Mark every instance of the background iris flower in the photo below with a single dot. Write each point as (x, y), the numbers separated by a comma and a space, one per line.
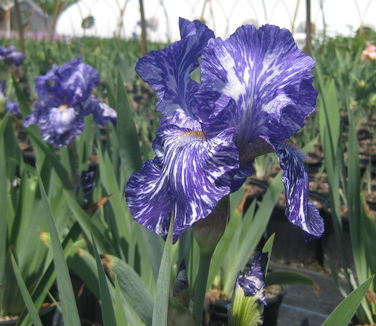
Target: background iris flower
(256, 88)
(13, 108)
(10, 54)
(64, 99)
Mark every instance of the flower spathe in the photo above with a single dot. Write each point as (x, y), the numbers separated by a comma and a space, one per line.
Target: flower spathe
(255, 86)
(64, 99)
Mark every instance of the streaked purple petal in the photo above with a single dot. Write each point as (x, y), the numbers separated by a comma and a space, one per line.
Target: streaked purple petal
(186, 179)
(267, 76)
(299, 210)
(167, 71)
(101, 112)
(59, 126)
(70, 84)
(253, 282)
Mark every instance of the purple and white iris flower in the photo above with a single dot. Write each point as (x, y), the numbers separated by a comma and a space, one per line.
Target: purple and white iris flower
(256, 87)
(253, 282)
(10, 54)
(64, 99)
(13, 108)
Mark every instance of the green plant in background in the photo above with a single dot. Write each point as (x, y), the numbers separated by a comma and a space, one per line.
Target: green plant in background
(345, 189)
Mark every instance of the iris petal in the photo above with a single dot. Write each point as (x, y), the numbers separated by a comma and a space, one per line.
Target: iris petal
(69, 84)
(253, 282)
(167, 71)
(267, 76)
(60, 126)
(299, 210)
(186, 179)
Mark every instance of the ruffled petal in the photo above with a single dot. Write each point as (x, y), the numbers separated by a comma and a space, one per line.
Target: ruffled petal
(186, 179)
(167, 71)
(299, 210)
(101, 112)
(70, 84)
(60, 126)
(267, 76)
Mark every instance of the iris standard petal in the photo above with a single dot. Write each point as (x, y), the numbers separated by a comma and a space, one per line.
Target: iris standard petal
(299, 210)
(167, 71)
(267, 76)
(253, 282)
(186, 179)
(68, 85)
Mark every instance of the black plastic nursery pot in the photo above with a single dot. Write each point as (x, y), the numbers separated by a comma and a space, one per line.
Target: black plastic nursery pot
(271, 309)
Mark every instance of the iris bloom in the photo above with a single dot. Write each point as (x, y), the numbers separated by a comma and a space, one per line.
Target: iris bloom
(253, 282)
(64, 99)
(13, 108)
(10, 54)
(256, 88)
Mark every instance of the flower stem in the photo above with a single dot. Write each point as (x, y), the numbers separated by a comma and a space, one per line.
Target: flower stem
(200, 285)
(74, 163)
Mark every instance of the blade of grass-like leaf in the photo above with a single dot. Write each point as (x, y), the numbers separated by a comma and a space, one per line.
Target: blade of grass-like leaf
(267, 248)
(108, 313)
(126, 131)
(357, 221)
(3, 212)
(343, 313)
(253, 233)
(25, 294)
(289, 277)
(84, 266)
(119, 311)
(160, 308)
(84, 220)
(64, 284)
(227, 237)
(132, 287)
(59, 168)
(25, 109)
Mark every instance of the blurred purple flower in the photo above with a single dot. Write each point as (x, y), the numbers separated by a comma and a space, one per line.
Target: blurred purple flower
(3, 86)
(256, 86)
(10, 54)
(87, 184)
(64, 99)
(253, 282)
(13, 108)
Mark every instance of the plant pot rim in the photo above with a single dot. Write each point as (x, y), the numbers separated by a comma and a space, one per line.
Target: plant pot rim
(14, 320)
